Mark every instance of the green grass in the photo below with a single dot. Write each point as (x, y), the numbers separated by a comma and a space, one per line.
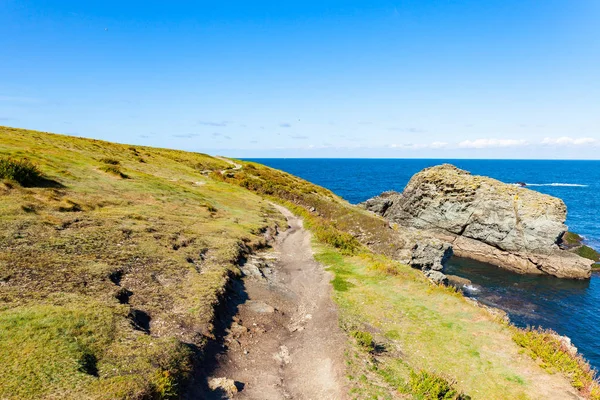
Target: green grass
(83, 261)
(436, 344)
(364, 340)
(574, 241)
(80, 259)
(114, 170)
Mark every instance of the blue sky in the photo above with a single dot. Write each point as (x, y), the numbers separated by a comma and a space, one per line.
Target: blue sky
(411, 78)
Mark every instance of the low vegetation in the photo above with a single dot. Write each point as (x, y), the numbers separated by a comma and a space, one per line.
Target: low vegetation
(429, 386)
(589, 253)
(22, 171)
(108, 286)
(574, 242)
(364, 340)
(554, 356)
(428, 344)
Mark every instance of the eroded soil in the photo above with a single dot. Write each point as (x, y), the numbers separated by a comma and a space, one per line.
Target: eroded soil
(284, 341)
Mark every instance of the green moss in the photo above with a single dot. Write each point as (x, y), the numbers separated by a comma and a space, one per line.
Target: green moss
(571, 238)
(589, 253)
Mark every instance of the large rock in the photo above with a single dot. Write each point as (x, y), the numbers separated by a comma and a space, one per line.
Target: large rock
(380, 204)
(431, 255)
(486, 220)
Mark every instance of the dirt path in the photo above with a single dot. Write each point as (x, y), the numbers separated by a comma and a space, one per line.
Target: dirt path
(284, 342)
(236, 166)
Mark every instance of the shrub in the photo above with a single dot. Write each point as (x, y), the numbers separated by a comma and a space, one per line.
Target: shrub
(165, 386)
(326, 233)
(114, 170)
(430, 386)
(555, 357)
(364, 340)
(21, 171)
(110, 161)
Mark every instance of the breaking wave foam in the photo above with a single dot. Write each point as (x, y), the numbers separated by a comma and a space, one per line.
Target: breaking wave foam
(553, 184)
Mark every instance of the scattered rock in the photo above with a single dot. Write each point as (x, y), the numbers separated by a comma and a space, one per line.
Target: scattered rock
(237, 329)
(252, 270)
(226, 385)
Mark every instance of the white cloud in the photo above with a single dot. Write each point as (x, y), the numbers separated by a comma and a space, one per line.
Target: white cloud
(486, 143)
(569, 141)
(438, 145)
(413, 146)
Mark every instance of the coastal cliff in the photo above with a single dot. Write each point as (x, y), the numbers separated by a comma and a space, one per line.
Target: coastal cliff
(486, 220)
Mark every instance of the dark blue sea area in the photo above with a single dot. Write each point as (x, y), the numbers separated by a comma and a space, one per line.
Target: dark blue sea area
(569, 307)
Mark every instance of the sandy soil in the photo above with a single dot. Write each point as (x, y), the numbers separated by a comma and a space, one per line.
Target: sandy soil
(284, 341)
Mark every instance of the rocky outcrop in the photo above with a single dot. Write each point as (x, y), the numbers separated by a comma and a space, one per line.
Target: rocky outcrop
(380, 204)
(485, 220)
(431, 257)
(432, 254)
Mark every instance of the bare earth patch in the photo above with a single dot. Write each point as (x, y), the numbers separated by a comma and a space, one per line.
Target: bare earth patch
(285, 341)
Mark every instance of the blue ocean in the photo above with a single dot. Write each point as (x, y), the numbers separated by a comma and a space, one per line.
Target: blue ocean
(571, 308)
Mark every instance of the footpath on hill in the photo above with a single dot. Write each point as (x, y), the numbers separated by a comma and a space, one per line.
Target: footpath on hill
(284, 340)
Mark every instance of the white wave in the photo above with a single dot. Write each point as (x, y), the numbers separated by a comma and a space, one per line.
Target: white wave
(554, 184)
(471, 288)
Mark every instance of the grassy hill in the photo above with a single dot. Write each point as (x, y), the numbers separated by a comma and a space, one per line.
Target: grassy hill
(115, 240)
(114, 257)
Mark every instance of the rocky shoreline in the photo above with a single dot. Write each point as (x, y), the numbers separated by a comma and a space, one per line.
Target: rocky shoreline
(482, 219)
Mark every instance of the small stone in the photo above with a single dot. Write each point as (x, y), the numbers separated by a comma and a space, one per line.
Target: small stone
(436, 277)
(237, 329)
(224, 384)
(259, 306)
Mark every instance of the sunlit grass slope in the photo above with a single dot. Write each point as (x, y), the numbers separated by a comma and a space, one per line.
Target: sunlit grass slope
(428, 342)
(112, 258)
(111, 265)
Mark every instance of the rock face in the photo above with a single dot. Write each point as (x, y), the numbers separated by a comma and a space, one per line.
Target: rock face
(486, 220)
(431, 256)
